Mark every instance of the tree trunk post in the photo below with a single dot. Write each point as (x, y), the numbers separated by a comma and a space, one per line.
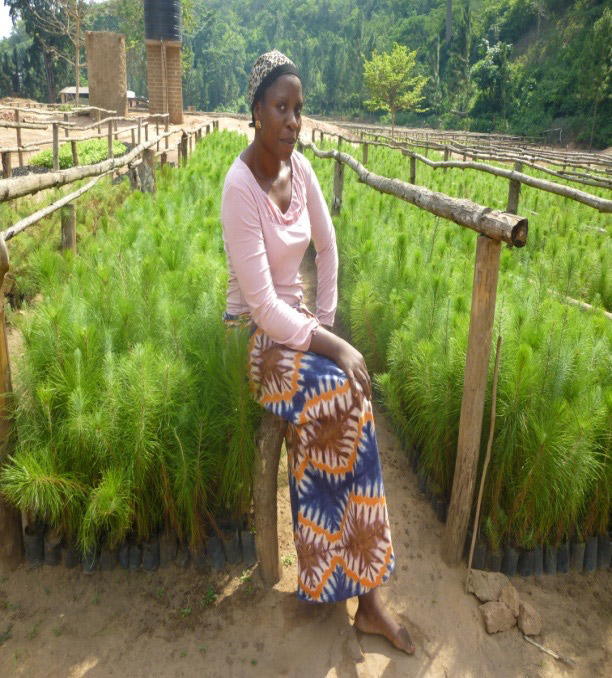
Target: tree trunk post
(207, 130)
(133, 176)
(109, 136)
(55, 147)
(139, 130)
(514, 191)
(190, 143)
(68, 217)
(7, 166)
(133, 134)
(445, 158)
(365, 153)
(19, 151)
(338, 185)
(269, 442)
(163, 159)
(166, 128)
(146, 130)
(482, 313)
(412, 169)
(66, 130)
(157, 131)
(339, 141)
(75, 154)
(321, 132)
(11, 535)
(183, 149)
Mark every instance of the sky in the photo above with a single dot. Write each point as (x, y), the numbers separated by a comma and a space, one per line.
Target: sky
(6, 25)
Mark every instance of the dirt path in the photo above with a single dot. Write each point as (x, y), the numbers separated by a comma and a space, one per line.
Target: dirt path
(182, 623)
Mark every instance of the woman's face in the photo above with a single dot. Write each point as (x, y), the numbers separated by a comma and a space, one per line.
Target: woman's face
(280, 114)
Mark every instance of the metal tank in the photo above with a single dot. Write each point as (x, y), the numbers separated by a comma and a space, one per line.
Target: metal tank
(162, 20)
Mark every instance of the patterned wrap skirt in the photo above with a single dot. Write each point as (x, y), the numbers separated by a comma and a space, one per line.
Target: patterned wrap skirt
(340, 521)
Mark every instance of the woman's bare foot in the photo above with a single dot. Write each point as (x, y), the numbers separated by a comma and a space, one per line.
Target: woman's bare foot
(372, 617)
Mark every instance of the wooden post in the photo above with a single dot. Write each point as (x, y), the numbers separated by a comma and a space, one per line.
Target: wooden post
(157, 131)
(339, 141)
(75, 155)
(313, 135)
(146, 130)
(55, 147)
(148, 175)
(486, 271)
(133, 176)
(166, 128)
(19, 151)
(11, 536)
(412, 169)
(66, 130)
(133, 131)
(139, 130)
(7, 167)
(163, 159)
(514, 191)
(68, 217)
(426, 151)
(445, 157)
(183, 149)
(365, 153)
(207, 130)
(321, 132)
(338, 185)
(110, 139)
(98, 116)
(190, 143)
(269, 442)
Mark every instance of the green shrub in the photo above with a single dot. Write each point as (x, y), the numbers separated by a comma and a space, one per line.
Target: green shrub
(89, 152)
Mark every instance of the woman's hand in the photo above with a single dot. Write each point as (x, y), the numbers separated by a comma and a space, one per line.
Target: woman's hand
(348, 359)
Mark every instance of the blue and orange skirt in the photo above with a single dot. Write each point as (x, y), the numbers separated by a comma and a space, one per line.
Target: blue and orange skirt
(340, 521)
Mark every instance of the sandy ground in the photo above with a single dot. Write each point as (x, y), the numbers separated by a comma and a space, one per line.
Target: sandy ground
(176, 622)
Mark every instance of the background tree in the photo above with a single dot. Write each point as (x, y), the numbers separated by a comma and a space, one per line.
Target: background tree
(391, 83)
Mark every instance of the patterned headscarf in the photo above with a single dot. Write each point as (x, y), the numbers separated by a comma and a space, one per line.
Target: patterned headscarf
(266, 69)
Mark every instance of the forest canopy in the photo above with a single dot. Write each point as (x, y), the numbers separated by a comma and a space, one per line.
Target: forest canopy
(521, 66)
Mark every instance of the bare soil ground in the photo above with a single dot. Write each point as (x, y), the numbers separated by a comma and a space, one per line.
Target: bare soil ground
(177, 622)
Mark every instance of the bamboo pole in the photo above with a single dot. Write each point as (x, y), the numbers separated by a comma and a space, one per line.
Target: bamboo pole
(19, 152)
(11, 536)
(55, 147)
(486, 272)
(68, 218)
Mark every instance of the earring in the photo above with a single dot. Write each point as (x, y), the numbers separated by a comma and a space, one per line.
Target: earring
(258, 124)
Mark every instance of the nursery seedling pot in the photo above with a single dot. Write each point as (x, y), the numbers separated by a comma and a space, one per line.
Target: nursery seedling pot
(216, 554)
(525, 563)
(233, 553)
(576, 556)
(109, 559)
(479, 559)
(494, 560)
(604, 551)
(91, 560)
(590, 554)
(167, 549)
(34, 544)
(249, 554)
(53, 547)
(550, 559)
(135, 557)
(563, 557)
(441, 509)
(538, 561)
(199, 557)
(124, 555)
(183, 557)
(70, 556)
(150, 554)
(510, 561)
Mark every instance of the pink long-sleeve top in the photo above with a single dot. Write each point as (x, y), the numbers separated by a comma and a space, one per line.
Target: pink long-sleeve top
(265, 247)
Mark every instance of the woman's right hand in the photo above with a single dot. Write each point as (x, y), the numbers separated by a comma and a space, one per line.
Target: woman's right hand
(348, 359)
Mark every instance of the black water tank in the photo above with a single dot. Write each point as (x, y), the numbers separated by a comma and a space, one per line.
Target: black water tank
(162, 19)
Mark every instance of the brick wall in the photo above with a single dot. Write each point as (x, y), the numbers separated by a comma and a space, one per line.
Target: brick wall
(106, 71)
(169, 98)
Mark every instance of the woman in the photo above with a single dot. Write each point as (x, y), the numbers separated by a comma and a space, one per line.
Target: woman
(272, 206)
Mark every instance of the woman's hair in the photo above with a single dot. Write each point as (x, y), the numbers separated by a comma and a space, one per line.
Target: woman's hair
(266, 69)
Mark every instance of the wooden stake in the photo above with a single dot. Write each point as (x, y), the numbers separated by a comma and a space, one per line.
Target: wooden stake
(139, 131)
(412, 169)
(166, 127)
(55, 146)
(365, 153)
(269, 442)
(19, 152)
(133, 131)
(110, 140)
(157, 130)
(183, 149)
(11, 536)
(445, 157)
(486, 461)
(338, 186)
(514, 191)
(149, 184)
(7, 167)
(486, 272)
(66, 130)
(207, 130)
(313, 135)
(75, 155)
(68, 218)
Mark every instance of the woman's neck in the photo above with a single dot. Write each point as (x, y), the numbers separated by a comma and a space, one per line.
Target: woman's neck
(261, 162)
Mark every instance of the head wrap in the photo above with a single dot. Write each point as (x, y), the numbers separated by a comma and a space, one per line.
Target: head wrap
(266, 69)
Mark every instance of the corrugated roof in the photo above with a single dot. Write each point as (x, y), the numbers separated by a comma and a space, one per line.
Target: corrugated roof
(85, 90)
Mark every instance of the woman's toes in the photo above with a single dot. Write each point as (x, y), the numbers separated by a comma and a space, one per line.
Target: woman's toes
(403, 642)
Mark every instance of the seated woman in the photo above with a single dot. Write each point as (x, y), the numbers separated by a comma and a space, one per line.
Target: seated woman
(271, 207)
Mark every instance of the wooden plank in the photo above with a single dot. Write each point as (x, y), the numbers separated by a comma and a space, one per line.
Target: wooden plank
(484, 291)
